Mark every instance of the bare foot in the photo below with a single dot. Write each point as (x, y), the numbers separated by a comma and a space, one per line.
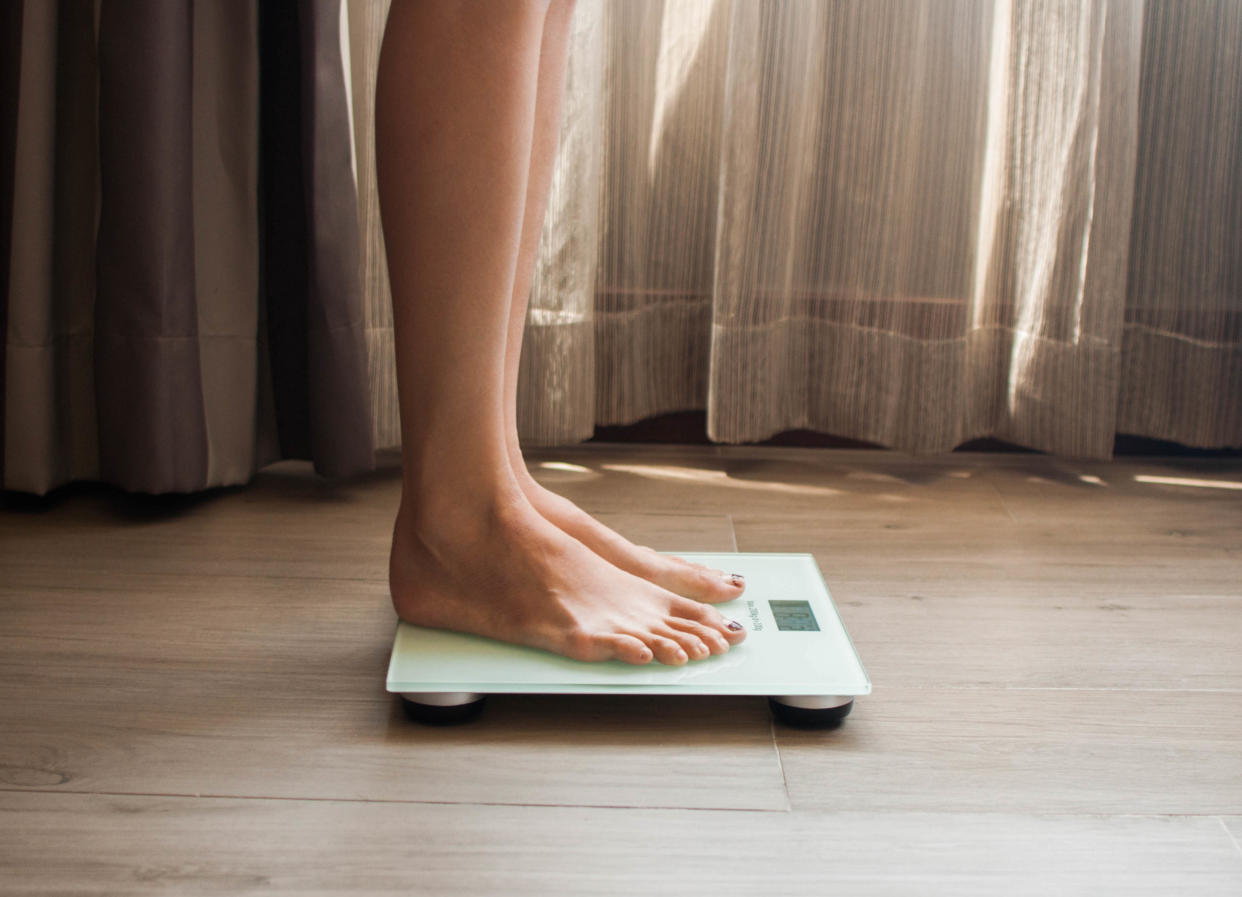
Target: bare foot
(673, 573)
(503, 571)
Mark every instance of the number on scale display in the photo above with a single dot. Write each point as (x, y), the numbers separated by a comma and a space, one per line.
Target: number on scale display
(794, 616)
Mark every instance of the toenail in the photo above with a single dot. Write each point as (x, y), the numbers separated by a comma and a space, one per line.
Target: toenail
(733, 579)
(734, 626)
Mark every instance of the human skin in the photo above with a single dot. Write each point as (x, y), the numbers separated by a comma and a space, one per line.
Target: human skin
(468, 105)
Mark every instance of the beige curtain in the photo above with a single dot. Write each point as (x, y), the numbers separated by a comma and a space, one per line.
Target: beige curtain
(913, 223)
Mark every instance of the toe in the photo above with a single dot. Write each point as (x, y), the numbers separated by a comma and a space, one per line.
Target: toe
(711, 638)
(690, 642)
(704, 584)
(667, 650)
(730, 630)
(692, 580)
(625, 648)
(733, 631)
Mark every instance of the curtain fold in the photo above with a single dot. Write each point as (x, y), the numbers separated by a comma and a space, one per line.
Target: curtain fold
(340, 421)
(364, 32)
(153, 340)
(911, 222)
(10, 78)
(152, 423)
(312, 296)
(49, 403)
(1181, 358)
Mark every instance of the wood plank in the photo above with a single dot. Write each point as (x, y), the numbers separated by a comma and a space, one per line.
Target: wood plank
(147, 845)
(935, 546)
(965, 631)
(213, 684)
(1105, 593)
(1019, 750)
(261, 536)
(160, 668)
(1046, 637)
(1195, 496)
(236, 735)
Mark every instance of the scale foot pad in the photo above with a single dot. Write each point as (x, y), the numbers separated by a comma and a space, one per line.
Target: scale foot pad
(446, 715)
(802, 718)
(798, 717)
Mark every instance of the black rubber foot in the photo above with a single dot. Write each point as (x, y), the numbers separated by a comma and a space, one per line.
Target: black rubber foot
(433, 715)
(802, 718)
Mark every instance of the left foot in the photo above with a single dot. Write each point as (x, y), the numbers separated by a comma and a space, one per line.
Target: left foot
(687, 579)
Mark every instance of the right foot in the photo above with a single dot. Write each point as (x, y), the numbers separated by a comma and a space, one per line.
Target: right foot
(507, 573)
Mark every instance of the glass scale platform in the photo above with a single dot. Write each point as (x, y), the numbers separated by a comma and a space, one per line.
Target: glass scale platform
(797, 654)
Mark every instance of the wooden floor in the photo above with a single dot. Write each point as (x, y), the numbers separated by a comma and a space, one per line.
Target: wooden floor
(192, 696)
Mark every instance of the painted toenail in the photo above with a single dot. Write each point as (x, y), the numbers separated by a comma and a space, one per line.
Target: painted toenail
(734, 626)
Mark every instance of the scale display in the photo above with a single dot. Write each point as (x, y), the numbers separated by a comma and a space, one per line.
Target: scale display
(794, 616)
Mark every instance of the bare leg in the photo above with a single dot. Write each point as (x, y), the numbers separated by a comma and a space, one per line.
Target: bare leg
(455, 118)
(675, 574)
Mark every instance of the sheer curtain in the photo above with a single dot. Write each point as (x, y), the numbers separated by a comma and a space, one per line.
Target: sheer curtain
(913, 223)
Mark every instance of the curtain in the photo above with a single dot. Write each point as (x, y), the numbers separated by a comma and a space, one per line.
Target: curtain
(911, 222)
(1181, 358)
(182, 303)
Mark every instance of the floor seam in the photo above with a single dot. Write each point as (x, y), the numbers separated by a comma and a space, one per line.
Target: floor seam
(780, 765)
(175, 795)
(1000, 497)
(1229, 835)
(571, 806)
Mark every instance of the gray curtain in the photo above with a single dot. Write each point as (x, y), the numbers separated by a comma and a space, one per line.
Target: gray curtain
(182, 303)
(912, 222)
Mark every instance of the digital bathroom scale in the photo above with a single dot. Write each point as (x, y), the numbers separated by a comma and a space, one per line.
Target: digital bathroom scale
(796, 653)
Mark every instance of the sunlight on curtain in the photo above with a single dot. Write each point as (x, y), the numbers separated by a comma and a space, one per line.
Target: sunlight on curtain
(912, 223)
(365, 22)
(557, 377)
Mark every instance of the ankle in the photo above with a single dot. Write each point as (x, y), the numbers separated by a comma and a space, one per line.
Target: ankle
(456, 511)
